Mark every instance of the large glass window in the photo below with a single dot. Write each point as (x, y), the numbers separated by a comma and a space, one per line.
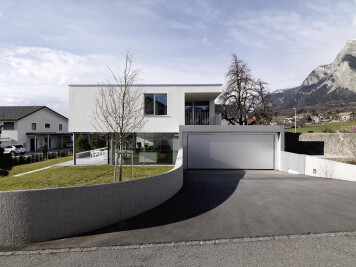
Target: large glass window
(149, 104)
(9, 125)
(155, 104)
(197, 113)
(161, 104)
(151, 148)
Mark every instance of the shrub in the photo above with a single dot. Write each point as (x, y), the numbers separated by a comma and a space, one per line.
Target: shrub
(82, 144)
(6, 163)
(329, 130)
(97, 141)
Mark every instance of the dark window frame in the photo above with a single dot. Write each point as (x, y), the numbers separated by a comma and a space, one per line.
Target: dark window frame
(154, 111)
(9, 123)
(60, 127)
(47, 124)
(34, 124)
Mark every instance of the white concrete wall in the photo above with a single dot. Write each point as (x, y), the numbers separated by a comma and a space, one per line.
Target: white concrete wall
(82, 105)
(12, 134)
(317, 167)
(39, 215)
(292, 163)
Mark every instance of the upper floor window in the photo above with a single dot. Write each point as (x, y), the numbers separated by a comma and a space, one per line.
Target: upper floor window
(60, 127)
(34, 126)
(9, 125)
(47, 125)
(155, 104)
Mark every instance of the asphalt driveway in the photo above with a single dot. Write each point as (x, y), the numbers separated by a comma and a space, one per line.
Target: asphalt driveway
(232, 204)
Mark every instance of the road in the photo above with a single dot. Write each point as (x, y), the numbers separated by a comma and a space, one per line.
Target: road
(221, 205)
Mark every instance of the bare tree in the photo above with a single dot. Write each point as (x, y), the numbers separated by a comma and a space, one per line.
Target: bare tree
(119, 108)
(263, 109)
(244, 97)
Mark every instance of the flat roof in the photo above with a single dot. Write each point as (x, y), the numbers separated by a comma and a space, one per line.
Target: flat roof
(144, 85)
(47, 133)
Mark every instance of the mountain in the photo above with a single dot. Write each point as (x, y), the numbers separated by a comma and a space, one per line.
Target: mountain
(328, 83)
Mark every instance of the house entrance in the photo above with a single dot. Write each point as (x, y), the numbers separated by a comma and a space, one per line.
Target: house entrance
(32, 144)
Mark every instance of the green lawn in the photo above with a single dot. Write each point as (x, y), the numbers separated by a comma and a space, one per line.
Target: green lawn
(318, 128)
(37, 165)
(75, 176)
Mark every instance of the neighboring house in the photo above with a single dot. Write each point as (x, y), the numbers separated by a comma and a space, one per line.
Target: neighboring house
(344, 116)
(33, 127)
(315, 119)
(157, 142)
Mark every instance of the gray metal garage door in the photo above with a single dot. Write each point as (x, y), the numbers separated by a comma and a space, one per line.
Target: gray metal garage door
(230, 151)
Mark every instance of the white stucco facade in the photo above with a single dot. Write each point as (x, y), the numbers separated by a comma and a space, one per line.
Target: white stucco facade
(23, 132)
(82, 105)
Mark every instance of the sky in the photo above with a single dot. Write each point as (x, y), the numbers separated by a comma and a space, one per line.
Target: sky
(46, 45)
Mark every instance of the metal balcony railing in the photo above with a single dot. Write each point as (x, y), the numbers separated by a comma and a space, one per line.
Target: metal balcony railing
(202, 118)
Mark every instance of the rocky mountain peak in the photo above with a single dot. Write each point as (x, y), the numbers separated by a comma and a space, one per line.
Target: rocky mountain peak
(327, 83)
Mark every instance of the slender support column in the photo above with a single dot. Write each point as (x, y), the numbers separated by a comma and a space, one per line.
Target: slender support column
(131, 164)
(47, 142)
(212, 112)
(74, 149)
(35, 143)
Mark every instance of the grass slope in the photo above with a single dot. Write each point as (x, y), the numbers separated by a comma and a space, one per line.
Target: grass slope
(37, 165)
(75, 176)
(318, 128)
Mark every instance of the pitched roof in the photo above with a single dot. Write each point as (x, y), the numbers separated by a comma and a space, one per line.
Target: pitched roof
(14, 113)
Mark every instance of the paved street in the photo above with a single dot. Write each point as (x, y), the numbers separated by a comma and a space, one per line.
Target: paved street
(296, 251)
(215, 205)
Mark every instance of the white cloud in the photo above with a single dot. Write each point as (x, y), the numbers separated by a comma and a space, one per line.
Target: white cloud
(39, 76)
(205, 41)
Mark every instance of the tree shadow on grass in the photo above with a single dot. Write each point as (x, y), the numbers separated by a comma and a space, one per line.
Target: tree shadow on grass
(203, 190)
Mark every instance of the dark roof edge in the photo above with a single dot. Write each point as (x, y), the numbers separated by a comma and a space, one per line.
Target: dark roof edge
(41, 107)
(144, 85)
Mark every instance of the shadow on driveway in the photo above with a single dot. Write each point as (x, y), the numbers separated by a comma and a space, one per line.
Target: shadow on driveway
(201, 193)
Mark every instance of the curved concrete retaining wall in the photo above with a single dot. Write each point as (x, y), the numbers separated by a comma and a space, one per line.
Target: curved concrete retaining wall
(40, 215)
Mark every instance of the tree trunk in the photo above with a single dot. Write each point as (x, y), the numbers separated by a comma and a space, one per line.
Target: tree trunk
(115, 169)
(120, 175)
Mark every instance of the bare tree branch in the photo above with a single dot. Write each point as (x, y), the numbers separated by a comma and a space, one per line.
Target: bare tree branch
(119, 106)
(244, 97)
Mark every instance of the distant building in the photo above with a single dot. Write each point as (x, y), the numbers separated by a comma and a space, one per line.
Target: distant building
(345, 116)
(33, 127)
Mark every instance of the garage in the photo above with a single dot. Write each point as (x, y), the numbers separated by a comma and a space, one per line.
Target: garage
(230, 151)
(254, 147)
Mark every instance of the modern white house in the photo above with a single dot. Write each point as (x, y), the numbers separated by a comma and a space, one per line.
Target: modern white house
(184, 117)
(171, 105)
(33, 127)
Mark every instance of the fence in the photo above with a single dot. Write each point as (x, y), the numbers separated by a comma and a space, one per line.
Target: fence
(202, 118)
(19, 160)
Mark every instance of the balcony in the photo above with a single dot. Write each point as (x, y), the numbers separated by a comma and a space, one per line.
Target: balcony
(202, 118)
